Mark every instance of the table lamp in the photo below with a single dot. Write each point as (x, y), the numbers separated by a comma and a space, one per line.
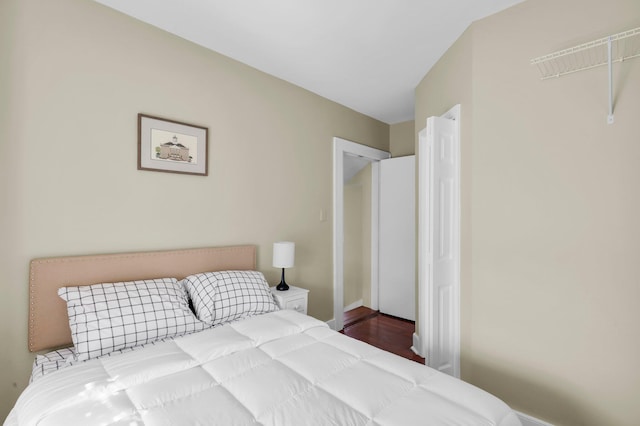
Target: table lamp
(283, 257)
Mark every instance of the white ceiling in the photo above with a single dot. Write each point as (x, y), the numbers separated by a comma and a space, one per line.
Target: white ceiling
(368, 55)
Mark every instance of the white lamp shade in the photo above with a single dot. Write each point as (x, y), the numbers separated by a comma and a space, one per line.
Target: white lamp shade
(284, 253)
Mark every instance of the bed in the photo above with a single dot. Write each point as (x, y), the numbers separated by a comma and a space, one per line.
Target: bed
(229, 358)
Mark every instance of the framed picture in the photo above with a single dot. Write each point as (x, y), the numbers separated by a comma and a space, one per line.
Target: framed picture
(170, 146)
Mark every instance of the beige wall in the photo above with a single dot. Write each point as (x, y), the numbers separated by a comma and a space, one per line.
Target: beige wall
(357, 238)
(402, 139)
(80, 73)
(549, 206)
(352, 289)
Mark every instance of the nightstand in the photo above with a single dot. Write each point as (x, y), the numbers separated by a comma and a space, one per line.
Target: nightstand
(295, 298)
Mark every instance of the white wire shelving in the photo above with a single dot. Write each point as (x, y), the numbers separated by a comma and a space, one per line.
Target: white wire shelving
(605, 51)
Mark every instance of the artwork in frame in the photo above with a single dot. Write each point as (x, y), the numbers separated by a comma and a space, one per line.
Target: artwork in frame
(171, 146)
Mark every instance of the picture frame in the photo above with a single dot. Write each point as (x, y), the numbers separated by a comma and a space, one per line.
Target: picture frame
(172, 146)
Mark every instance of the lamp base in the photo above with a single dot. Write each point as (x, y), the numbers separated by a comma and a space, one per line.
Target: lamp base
(283, 285)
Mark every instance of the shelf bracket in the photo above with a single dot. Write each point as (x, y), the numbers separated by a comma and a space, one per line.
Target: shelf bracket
(610, 66)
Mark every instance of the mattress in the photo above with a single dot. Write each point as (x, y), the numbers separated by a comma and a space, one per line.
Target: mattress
(280, 368)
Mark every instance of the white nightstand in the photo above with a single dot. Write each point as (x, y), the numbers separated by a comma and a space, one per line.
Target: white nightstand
(295, 298)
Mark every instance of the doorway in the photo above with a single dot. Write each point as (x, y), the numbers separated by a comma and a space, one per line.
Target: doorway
(438, 331)
(357, 233)
(343, 149)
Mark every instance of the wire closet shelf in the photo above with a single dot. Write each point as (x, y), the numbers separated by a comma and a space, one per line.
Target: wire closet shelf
(624, 46)
(605, 51)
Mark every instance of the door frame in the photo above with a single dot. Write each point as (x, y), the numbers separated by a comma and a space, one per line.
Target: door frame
(423, 343)
(340, 148)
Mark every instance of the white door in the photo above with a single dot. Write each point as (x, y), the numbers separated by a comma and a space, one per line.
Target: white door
(439, 248)
(397, 283)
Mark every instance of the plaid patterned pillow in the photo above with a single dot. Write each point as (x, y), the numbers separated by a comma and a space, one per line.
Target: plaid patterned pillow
(49, 362)
(220, 297)
(111, 316)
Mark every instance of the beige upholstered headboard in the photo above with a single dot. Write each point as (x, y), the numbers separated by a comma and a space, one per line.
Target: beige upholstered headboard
(48, 321)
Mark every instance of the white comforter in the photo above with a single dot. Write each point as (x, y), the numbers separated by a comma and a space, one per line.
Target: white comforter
(282, 368)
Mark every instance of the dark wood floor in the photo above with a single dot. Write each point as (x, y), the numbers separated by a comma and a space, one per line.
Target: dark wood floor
(382, 331)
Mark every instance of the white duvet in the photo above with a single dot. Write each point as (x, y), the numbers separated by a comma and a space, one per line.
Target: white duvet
(281, 368)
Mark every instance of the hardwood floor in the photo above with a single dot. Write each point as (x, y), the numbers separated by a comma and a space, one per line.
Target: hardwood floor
(382, 331)
(358, 314)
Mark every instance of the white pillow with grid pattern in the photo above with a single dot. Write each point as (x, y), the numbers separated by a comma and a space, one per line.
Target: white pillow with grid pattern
(111, 316)
(50, 361)
(225, 296)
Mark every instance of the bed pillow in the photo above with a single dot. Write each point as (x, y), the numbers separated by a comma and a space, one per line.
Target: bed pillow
(221, 297)
(50, 362)
(112, 316)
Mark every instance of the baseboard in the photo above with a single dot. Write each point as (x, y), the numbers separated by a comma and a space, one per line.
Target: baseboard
(354, 305)
(527, 420)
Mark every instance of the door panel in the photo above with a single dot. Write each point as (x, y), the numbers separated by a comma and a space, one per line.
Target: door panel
(397, 286)
(442, 178)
